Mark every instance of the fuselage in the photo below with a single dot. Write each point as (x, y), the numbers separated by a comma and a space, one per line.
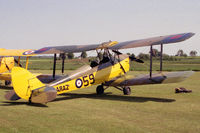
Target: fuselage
(100, 74)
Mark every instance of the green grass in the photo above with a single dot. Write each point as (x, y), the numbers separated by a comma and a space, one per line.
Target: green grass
(150, 108)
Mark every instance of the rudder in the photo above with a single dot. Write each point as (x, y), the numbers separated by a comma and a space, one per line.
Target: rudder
(28, 87)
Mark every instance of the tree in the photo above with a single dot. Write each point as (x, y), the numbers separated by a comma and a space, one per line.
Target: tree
(166, 57)
(128, 53)
(62, 56)
(180, 52)
(193, 53)
(83, 54)
(70, 55)
(184, 55)
(144, 56)
(155, 53)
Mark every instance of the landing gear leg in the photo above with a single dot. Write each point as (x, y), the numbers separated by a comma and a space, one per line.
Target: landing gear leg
(29, 100)
(127, 90)
(100, 90)
(7, 82)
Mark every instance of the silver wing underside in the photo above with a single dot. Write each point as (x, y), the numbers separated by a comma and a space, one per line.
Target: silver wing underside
(159, 78)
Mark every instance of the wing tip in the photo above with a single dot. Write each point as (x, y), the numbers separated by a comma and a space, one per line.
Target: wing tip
(190, 34)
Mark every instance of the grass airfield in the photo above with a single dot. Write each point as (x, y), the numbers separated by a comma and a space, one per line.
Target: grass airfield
(150, 108)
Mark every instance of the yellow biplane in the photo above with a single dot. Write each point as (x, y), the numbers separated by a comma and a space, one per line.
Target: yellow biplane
(10, 57)
(109, 71)
(7, 62)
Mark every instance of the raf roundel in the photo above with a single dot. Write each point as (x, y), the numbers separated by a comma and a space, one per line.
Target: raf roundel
(28, 52)
(79, 83)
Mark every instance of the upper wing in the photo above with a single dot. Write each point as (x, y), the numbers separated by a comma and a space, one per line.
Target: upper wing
(153, 41)
(112, 45)
(63, 49)
(15, 52)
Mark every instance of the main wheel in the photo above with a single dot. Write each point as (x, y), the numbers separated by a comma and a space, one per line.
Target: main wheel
(7, 82)
(100, 90)
(127, 90)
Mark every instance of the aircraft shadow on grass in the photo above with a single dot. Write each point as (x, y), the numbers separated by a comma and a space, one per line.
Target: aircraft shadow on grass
(106, 96)
(110, 96)
(6, 87)
(23, 103)
(13, 103)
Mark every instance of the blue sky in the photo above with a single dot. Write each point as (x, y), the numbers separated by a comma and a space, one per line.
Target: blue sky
(38, 23)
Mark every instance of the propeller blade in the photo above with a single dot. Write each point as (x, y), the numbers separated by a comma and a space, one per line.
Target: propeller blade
(116, 52)
(139, 61)
(135, 59)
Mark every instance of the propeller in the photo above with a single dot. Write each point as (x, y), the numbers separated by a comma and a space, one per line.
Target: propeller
(132, 57)
(116, 52)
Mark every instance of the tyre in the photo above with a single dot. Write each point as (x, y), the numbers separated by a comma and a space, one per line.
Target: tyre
(7, 82)
(127, 90)
(100, 90)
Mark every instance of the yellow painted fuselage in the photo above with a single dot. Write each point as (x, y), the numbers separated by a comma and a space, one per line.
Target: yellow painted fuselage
(27, 86)
(97, 75)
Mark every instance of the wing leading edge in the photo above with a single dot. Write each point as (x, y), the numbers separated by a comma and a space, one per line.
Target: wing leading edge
(16, 52)
(153, 41)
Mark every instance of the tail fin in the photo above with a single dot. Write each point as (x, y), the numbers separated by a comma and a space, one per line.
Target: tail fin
(28, 87)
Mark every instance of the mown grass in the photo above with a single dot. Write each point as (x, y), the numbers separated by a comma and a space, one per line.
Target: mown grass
(150, 108)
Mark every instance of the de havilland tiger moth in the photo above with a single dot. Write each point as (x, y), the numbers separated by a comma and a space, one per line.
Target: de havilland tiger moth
(109, 71)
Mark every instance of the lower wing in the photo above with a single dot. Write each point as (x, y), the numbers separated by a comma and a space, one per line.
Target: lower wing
(5, 76)
(159, 78)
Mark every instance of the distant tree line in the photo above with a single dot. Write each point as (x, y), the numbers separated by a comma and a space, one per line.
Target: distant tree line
(156, 53)
(143, 56)
(192, 53)
(71, 55)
